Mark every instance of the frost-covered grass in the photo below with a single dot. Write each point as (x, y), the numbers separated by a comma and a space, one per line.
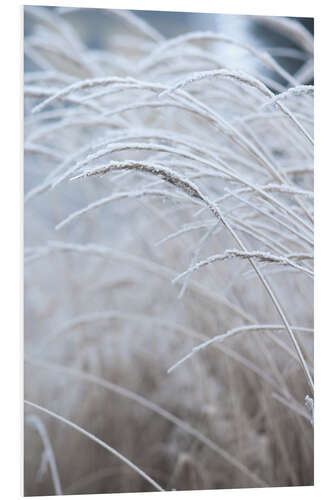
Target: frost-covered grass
(168, 259)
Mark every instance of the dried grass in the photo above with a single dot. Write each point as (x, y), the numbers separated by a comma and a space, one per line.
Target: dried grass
(153, 161)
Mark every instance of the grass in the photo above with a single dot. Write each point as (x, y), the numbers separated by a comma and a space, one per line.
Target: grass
(168, 259)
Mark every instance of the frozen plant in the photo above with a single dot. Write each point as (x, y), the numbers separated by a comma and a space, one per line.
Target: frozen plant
(168, 257)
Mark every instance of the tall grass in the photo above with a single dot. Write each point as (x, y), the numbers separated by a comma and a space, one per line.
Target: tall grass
(168, 259)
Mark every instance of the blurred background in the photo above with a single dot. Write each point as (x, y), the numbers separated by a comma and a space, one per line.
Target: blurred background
(95, 24)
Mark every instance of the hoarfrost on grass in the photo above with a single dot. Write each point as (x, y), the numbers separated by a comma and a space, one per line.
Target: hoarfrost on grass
(171, 167)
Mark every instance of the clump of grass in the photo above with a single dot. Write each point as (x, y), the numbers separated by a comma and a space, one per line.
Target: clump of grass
(169, 198)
